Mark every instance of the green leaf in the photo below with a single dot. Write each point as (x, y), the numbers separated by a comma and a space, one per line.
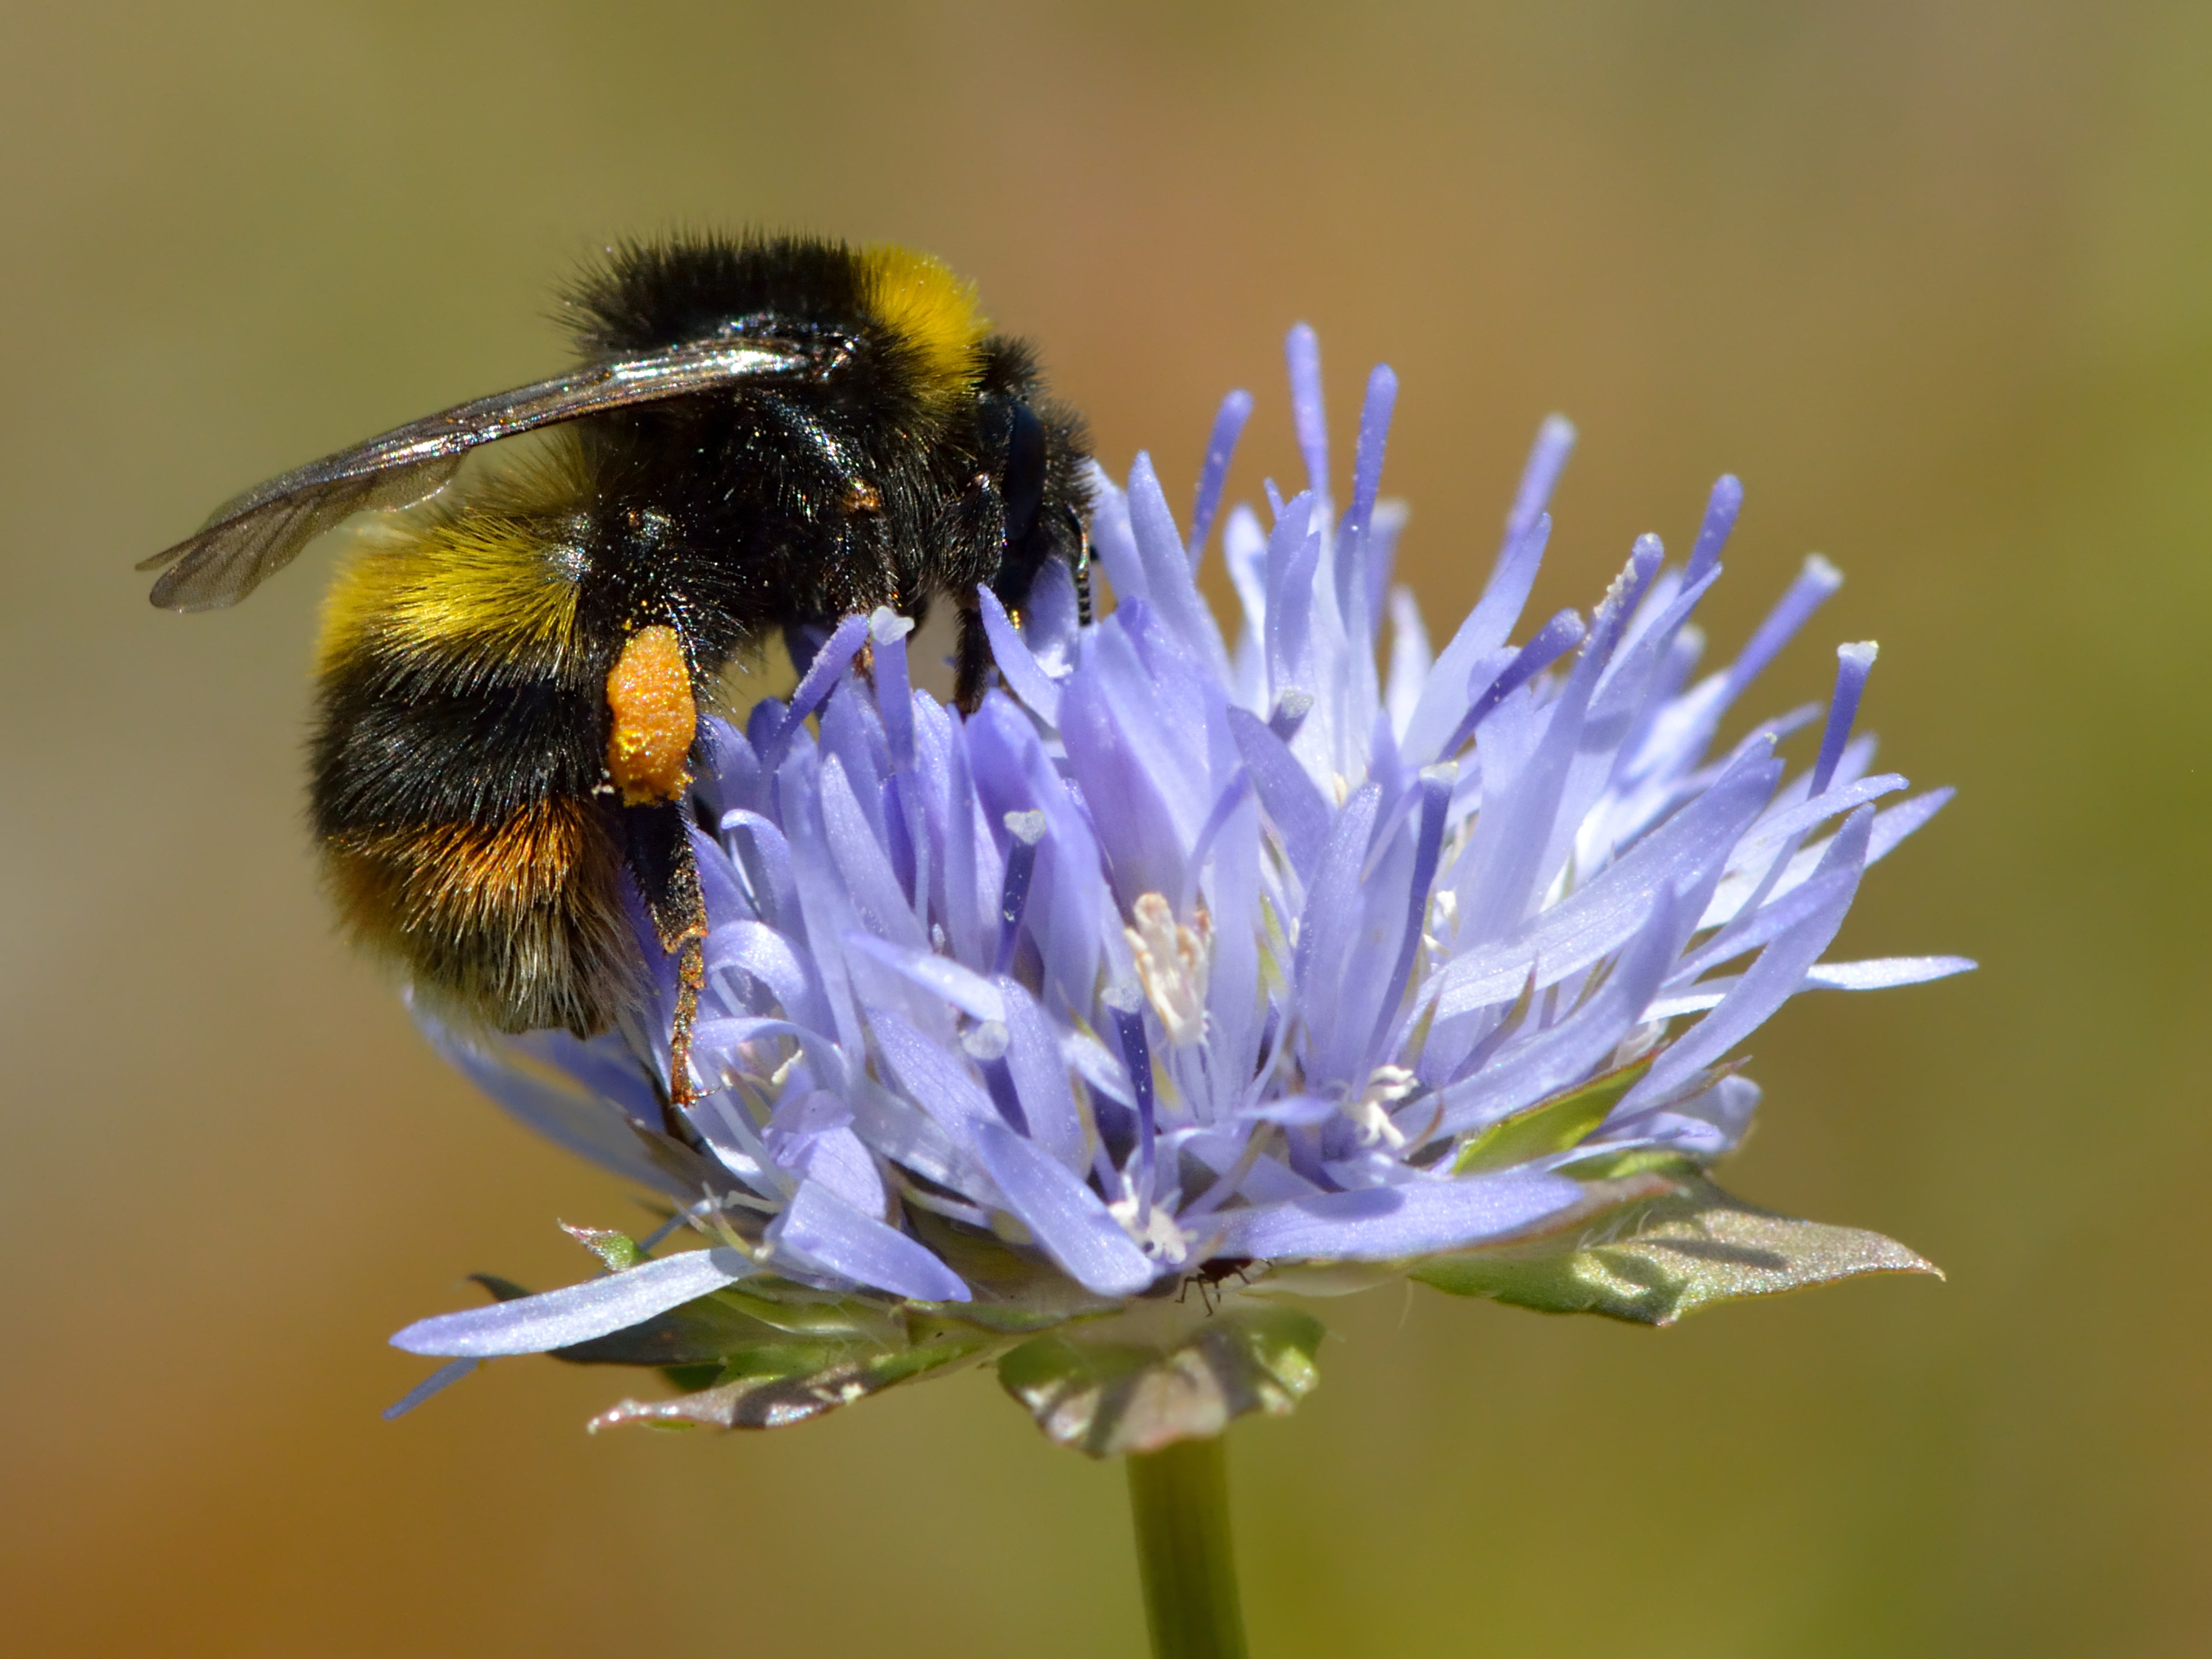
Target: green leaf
(707, 1331)
(617, 1250)
(1155, 1375)
(775, 1385)
(1657, 1258)
(1607, 1164)
(818, 1315)
(1550, 1126)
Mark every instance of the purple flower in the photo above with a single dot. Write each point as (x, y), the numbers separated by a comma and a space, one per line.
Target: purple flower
(1237, 966)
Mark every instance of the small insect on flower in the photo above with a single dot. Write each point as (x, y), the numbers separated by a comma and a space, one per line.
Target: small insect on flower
(764, 434)
(1209, 1276)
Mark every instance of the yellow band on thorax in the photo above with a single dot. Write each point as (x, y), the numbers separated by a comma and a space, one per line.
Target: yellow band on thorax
(936, 314)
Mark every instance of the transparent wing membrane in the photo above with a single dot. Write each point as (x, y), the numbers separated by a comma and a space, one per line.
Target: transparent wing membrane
(254, 535)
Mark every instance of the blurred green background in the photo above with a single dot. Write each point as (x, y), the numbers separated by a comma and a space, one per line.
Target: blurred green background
(1932, 279)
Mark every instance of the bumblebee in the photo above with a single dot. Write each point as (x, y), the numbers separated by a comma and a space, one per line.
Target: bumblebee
(764, 433)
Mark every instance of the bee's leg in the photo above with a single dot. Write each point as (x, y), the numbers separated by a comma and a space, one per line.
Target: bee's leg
(658, 842)
(691, 979)
(972, 663)
(1082, 568)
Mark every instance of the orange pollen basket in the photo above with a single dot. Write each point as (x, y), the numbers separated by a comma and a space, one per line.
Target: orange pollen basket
(655, 718)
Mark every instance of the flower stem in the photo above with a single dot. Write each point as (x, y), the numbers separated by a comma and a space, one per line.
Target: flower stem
(1180, 1499)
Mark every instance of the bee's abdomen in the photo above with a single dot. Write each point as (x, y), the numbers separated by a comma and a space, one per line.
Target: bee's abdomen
(405, 743)
(454, 762)
(517, 923)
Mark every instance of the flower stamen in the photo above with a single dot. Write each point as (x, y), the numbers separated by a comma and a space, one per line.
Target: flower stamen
(1369, 1112)
(1173, 961)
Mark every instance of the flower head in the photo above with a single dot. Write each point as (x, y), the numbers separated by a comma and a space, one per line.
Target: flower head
(1234, 965)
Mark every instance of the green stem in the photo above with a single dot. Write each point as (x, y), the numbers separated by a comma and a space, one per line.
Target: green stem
(1180, 1497)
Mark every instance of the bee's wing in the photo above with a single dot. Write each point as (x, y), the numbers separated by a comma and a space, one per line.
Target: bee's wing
(254, 535)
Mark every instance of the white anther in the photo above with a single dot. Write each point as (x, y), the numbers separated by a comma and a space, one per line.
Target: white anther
(987, 1041)
(1371, 1112)
(1174, 962)
(1159, 1237)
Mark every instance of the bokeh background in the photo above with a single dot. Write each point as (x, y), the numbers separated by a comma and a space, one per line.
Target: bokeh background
(1937, 281)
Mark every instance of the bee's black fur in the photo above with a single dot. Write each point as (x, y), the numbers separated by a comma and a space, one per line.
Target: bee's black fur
(723, 515)
(759, 486)
(394, 747)
(653, 294)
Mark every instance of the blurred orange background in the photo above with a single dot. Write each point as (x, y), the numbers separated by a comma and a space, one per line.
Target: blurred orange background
(1935, 281)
